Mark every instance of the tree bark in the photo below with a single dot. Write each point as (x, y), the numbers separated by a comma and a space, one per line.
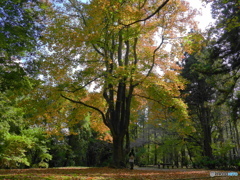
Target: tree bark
(207, 135)
(127, 147)
(237, 135)
(118, 152)
(117, 119)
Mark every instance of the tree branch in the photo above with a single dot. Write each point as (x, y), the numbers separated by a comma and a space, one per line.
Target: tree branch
(150, 16)
(77, 89)
(154, 55)
(149, 98)
(127, 53)
(87, 105)
(153, 62)
(135, 51)
(120, 48)
(97, 50)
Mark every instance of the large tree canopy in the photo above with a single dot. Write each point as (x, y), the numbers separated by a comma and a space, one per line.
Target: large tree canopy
(117, 51)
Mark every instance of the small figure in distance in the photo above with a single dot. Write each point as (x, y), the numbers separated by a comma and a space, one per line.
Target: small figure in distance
(131, 159)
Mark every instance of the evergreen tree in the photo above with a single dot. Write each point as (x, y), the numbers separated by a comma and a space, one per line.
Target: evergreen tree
(199, 96)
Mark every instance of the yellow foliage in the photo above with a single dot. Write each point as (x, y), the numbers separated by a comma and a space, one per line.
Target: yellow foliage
(111, 44)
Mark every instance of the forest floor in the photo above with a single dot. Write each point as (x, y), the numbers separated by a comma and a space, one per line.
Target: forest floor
(85, 173)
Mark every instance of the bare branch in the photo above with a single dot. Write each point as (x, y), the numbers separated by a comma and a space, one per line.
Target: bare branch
(77, 89)
(143, 4)
(149, 98)
(87, 105)
(154, 56)
(150, 16)
(153, 62)
(97, 50)
(79, 10)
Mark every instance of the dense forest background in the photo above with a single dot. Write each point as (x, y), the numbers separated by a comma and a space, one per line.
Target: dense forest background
(81, 84)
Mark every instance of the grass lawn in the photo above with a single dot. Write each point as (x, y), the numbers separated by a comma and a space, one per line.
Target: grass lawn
(79, 173)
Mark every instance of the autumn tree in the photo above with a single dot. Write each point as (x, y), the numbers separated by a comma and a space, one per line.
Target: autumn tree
(115, 49)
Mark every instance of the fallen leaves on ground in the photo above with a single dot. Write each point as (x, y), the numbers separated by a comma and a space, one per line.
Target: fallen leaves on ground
(80, 173)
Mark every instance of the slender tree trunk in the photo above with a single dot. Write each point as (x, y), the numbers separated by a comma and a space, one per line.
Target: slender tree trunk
(127, 142)
(183, 155)
(155, 150)
(231, 136)
(190, 155)
(237, 135)
(148, 145)
(175, 156)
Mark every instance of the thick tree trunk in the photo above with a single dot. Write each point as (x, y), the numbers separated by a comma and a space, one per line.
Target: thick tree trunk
(207, 135)
(207, 143)
(118, 152)
(204, 117)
